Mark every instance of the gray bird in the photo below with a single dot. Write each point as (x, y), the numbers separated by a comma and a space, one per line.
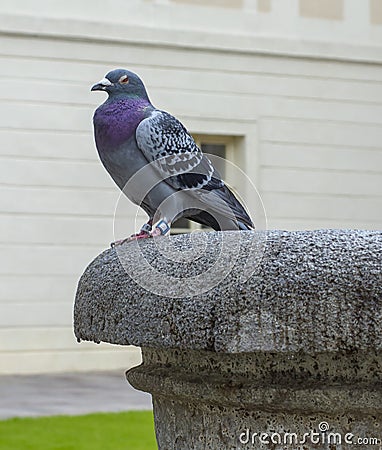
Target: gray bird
(156, 162)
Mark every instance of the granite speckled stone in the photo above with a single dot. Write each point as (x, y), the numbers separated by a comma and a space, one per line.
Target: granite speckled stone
(283, 352)
(309, 291)
(206, 400)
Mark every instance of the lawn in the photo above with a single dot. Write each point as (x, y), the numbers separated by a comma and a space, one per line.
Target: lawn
(112, 431)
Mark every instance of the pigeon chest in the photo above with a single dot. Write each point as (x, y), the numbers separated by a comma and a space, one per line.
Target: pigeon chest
(115, 124)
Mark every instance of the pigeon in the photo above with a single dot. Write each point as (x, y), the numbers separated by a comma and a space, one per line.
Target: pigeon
(155, 161)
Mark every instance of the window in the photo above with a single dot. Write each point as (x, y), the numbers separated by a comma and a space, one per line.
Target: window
(223, 148)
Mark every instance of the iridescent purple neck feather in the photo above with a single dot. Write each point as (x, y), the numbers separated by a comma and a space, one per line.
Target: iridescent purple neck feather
(116, 120)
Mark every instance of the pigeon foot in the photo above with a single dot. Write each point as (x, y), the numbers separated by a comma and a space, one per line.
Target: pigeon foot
(133, 237)
(161, 228)
(145, 232)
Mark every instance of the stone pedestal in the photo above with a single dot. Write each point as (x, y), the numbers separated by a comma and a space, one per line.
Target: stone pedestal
(285, 350)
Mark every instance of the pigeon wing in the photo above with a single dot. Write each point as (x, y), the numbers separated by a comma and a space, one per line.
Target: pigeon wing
(165, 142)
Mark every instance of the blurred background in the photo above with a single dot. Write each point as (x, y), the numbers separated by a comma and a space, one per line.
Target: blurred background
(290, 91)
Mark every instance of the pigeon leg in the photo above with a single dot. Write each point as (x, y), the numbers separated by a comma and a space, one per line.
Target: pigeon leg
(161, 228)
(145, 232)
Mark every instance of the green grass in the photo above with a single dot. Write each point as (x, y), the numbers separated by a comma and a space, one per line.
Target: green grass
(113, 431)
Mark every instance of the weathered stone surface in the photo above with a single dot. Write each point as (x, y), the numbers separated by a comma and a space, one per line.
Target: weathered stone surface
(284, 350)
(310, 291)
(206, 400)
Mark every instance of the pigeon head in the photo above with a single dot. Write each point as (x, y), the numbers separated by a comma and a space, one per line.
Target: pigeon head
(121, 83)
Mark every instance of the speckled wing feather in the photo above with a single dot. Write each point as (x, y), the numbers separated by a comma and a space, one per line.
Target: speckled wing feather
(166, 142)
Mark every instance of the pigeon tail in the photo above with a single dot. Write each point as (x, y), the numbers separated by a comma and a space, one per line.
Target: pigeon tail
(244, 222)
(230, 216)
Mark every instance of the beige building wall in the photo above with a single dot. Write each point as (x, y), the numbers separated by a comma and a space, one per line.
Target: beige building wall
(295, 87)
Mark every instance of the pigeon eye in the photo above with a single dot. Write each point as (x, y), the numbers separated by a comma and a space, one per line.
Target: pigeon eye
(124, 79)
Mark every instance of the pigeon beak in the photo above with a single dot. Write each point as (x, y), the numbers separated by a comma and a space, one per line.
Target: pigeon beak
(101, 85)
